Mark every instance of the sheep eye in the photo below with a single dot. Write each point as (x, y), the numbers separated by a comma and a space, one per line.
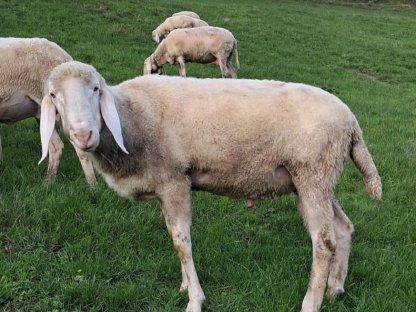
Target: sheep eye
(95, 89)
(52, 95)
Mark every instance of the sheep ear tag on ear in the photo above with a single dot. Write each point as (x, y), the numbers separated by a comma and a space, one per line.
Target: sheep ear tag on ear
(111, 118)
(47, 124)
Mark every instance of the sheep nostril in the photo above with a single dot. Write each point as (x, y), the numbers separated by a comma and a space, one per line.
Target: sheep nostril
(83, 137)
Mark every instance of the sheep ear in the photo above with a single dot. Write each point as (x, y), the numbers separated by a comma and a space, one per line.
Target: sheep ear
(110, 116)
(157, 39)
(47, 124)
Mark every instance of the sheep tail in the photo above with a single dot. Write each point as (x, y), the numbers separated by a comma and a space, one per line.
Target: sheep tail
(236, 56)
(365, 164)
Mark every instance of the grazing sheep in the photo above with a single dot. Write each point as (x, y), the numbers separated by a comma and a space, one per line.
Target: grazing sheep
(175, 22)
(25, 65)
(240, 138)
(205, 45)
(187, 13)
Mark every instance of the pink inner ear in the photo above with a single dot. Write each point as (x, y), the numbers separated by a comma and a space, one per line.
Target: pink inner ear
(47, 124)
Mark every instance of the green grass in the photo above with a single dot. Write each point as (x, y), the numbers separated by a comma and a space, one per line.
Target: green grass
(66, 248)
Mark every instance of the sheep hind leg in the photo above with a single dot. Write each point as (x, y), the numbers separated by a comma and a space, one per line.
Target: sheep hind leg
(316, 209)
(231, 71)
(223, 68)
(182, 70)
(176, 206)
(339, 267)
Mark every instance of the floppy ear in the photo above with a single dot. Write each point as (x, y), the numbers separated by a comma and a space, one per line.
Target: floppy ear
(110, 116)
(47, 124)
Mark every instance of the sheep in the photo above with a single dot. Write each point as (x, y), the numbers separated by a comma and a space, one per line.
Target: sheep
(175, 22)
(25, 65)
(187, 13)
(239, 138)
(205, 45)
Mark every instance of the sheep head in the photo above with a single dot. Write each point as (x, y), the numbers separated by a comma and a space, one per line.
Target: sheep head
(155, 36)
(150, 66)
(82, 100)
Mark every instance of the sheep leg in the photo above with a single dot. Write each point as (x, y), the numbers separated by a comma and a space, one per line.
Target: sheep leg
(87, 167)
(223, 68)
(231, 71)
(176, 207)
(316, 209)
(181, 62)
(185, 282)
(339, 267)
(55, 148)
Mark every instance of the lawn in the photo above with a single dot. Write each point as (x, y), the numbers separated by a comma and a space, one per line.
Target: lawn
(64, 247)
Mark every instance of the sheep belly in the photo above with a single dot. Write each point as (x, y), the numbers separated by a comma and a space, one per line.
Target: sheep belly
(260, 185)
(17, 107)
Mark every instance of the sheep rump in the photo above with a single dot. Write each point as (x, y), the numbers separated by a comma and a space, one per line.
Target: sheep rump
(25, 64)
(241, 138)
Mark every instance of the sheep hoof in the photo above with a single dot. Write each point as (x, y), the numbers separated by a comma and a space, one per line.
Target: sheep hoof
(250, 203)
(193, 307)
(333, 292)
(50, 176)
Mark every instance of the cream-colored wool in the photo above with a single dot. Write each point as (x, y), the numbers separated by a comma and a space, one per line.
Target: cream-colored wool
(205, 45)
(25, 64)
(187, 13)
(175, 22)
(242, 138)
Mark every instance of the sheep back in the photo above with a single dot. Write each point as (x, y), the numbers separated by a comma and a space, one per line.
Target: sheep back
(199, 43)
(27, 63)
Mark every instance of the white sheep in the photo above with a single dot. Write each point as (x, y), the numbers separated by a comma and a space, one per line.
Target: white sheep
(205, 45)
(25, 64)
(187, 13)
(241, 138)
(175, 22)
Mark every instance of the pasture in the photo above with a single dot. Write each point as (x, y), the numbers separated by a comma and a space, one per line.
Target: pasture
(64, 247)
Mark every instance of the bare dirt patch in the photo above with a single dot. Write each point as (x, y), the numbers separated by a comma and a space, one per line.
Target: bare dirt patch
(363, 73)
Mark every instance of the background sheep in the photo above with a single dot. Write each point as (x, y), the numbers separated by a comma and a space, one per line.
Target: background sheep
(187, 13)
(24, 67)
(240, 138)
(205, 45)
(175, 22)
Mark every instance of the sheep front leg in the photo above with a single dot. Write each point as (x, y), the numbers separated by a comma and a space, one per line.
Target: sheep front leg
(181, 62)
(317, 212)
(55, 148)
(87, 168)
(176, 207)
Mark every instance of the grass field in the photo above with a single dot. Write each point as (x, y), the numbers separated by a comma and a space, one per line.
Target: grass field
(66, 248)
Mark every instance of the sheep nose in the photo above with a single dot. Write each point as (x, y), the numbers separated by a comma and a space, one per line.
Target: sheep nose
(83, 137)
